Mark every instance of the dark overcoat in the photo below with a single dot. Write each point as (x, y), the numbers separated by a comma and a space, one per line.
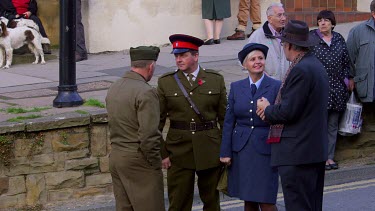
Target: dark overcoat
(303, 111)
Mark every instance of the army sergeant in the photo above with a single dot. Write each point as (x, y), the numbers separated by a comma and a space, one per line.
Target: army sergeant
(133, 116)
(192, 145)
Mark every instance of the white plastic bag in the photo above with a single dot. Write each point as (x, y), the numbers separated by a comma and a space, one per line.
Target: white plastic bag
(351, 121)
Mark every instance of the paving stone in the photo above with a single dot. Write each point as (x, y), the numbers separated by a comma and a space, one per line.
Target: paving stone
(77, 154)
(79, 164)
(59, 121)
(60, 195)
(65, 179)
(17, 185)
(18, 166)
(4, 185)
(99, 179)
(70, 141)
(36, 189)
(11, 127)
(12, 201)
(104, 164)
(90, 191)
(98, 139)
(99, 116)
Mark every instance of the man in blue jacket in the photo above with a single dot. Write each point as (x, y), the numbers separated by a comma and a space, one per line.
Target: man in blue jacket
(298, 135)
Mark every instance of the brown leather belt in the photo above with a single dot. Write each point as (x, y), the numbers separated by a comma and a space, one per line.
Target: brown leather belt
(193, 126)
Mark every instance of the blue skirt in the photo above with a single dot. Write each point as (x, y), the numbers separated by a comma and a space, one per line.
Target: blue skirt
(251, 177)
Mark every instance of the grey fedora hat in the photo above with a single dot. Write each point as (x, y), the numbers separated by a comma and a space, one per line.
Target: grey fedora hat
(297, 32)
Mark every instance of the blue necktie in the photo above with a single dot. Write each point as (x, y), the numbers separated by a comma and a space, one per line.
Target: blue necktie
(253, 89)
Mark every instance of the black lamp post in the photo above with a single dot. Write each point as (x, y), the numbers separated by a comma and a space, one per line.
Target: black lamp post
(67, 90)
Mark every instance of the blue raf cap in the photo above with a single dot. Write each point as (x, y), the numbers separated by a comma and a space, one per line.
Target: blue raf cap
(183, 43)
(250, 47)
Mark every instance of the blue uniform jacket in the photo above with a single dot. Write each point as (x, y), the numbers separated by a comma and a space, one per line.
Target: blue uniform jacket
(241, 123)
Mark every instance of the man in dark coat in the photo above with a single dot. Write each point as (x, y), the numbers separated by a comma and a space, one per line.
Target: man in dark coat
(299, 122)
(192, 145)
(133, 117)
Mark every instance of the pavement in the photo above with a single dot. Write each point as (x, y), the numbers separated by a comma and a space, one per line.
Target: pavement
(29, 86)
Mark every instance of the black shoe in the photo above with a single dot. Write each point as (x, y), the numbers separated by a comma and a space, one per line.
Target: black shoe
(334, 166)
(217, 41)
(80, 57)
(328, 167)
(252, 31)
(208, 42)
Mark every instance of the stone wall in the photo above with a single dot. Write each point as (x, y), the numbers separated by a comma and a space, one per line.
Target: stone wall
(66, 157)
(54, 159)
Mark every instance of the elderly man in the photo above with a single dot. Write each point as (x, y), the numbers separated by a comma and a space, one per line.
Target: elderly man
(361, 47)
(276, 63)
(133, 117)
(195, 101)
(298, 135)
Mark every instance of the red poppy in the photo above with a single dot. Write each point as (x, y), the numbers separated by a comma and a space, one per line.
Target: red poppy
(200, 82)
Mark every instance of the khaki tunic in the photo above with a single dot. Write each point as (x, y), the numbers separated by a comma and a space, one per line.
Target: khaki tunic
(135, 162)
(193, 150)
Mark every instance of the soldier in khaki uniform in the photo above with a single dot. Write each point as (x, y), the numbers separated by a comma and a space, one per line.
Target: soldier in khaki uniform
(192, 145)
(134, 116)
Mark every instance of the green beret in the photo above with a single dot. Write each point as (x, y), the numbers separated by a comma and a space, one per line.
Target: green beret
(144, 53)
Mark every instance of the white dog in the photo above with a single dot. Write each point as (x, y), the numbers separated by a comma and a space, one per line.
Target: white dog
(15, 38)
(25, 22)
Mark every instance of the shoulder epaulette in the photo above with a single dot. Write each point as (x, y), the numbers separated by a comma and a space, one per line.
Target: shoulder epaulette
(212, 71)
(167, 74)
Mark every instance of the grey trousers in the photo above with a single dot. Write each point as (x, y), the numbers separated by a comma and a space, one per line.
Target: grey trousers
(80, 34)
(333, 126)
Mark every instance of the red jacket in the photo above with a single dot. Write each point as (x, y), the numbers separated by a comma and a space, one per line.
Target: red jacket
(8, 10)
(21, 6)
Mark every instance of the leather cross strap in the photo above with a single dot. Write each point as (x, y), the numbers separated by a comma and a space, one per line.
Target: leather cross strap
(201, 117)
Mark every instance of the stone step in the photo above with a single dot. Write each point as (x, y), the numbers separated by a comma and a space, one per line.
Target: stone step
(24, 56)
(29, 58)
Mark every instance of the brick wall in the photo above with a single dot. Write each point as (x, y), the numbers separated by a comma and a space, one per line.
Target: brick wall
(307, 10)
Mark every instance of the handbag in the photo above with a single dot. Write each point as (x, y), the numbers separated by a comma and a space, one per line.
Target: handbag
(222, 185)
(351, 121)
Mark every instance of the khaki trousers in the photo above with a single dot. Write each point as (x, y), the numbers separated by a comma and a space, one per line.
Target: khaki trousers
(137, 186)
(246, 8)
(181, 188)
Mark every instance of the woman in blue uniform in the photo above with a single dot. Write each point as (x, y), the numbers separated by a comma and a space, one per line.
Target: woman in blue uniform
(244, 149)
